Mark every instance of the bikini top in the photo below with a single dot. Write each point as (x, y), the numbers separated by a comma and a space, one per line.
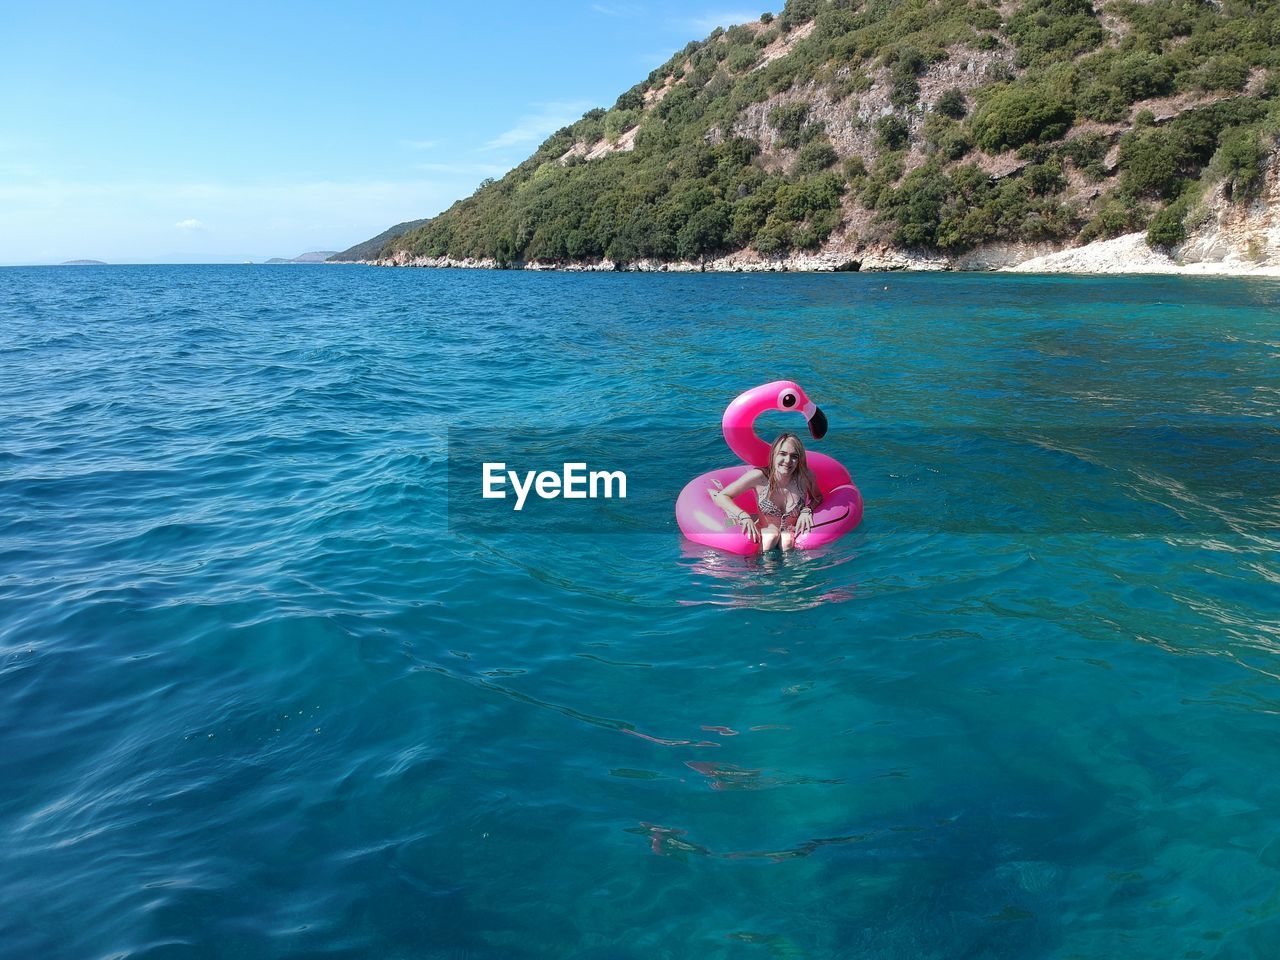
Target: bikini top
(770, 509)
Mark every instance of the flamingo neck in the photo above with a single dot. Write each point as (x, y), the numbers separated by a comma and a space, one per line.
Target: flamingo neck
(739, 425)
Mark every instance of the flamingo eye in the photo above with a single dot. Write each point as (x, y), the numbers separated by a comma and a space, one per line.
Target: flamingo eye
(788, 399)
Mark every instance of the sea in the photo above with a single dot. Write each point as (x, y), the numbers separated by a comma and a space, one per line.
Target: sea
(277, 679)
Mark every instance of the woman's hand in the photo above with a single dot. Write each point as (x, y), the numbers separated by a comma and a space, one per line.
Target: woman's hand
(749, 528)
(804, 522)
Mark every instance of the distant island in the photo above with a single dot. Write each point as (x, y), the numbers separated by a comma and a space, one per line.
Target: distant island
(316, 256)
(83, 263)
(941, 134)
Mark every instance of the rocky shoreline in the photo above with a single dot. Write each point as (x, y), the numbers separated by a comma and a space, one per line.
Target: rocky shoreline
(1230, 239)
(1128, 254)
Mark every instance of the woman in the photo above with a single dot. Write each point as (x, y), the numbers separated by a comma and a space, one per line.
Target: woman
(786, 493)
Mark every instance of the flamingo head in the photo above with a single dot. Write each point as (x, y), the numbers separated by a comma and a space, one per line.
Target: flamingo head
(790, 397)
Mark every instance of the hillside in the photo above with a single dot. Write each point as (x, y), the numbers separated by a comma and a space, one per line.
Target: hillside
(371, 248)
(860, 132)
(315, 256)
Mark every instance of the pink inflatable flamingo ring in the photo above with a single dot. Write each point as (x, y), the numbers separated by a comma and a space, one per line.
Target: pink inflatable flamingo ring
(703, 522)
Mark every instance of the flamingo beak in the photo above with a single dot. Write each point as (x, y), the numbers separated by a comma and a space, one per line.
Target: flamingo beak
(817, 421)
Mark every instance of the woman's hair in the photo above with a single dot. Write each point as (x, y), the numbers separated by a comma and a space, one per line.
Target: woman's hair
(808, 482)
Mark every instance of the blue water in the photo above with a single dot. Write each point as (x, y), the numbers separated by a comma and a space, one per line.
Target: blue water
(264, 694)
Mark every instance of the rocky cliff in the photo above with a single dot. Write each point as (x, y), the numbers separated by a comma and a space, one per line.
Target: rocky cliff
(935, 134)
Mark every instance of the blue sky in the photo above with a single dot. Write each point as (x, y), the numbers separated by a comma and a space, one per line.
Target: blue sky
(198, 132)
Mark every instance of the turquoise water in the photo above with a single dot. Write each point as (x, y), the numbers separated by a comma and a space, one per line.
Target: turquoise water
(268, 689)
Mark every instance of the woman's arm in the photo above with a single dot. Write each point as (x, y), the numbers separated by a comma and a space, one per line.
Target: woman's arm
(804, 522)
(724, 500)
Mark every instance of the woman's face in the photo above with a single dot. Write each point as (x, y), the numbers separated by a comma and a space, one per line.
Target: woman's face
(786, 458)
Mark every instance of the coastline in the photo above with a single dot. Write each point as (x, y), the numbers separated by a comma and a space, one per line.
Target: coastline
(1127, 254)
(1225, 237)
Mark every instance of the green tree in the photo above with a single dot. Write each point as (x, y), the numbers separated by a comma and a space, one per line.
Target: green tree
(907, 64)
(1153, 162)
(1226, 72)
(952, 104)
(639, 236)
(1167, 229)
(892, 132)
(1016, 115)
(789, 121)
(1141, 75)
(916, 206)
(815, 157)
(1043, 179)
(1239, 161)
(705, 232)
(1047, 30)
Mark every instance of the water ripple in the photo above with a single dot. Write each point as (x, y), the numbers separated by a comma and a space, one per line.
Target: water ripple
(259, 696)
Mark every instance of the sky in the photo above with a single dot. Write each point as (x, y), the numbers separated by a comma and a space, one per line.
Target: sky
(222, 132)
(197, 132)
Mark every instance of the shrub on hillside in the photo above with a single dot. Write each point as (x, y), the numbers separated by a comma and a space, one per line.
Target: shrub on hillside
(1100, 101)
(774, 237)
(1140, 76)
(1153, 162)
(1167, 228)
(788, 119)
(985, 18)
(705, 231)
(742, 58)
(915, 207)
(618, 122)
(907, 64)
(680, 107)
(945, 137)
(796, 12)
(953, 144)
(813, 234)
(798, 201)
(640, 234)
(1118, 213)
(878, 186)
(1239, 161)
(952, 104)
(1046, 30)
(750, 213)
(815, 157)
(1017, 115)
(633, 99)
(891, 133)
(1087, 152)
(1226, 72)
(1044, 179)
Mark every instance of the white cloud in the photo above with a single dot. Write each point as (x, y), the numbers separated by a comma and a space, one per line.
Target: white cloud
(190, 224)
(709, 21)
(535, 127)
